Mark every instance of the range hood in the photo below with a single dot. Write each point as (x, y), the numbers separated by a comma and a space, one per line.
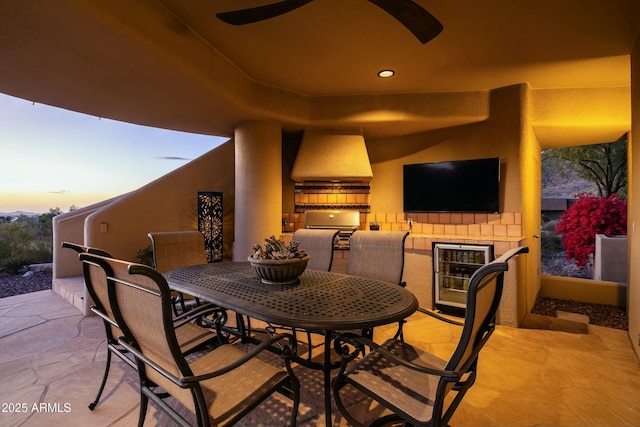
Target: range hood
(329, 156)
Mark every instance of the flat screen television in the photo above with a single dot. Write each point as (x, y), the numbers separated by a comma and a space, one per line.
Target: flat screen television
(456, 186)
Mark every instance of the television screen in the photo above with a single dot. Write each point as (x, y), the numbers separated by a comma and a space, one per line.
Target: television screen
(456, 186)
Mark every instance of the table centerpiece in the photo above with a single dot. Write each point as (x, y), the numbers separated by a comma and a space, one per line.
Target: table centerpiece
(278, 263)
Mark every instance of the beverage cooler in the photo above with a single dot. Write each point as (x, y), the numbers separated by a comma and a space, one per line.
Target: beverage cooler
(453, 265)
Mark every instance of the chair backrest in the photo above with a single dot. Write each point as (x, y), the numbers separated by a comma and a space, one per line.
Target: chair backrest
(174, 249)
(140, 300)
(95, 280)
(377, 255)
(96, 284)
(483, 299)
(318, 244)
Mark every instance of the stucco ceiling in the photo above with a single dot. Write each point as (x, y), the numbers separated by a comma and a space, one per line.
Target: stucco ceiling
(173, 64)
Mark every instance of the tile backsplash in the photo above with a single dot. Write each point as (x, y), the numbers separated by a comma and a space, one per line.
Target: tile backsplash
(332, 195)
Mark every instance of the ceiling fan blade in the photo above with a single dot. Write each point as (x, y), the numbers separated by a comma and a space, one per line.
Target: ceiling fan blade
(260, 13)
(421, 23)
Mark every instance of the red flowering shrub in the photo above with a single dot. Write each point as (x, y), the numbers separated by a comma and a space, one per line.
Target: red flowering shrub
(589, 216)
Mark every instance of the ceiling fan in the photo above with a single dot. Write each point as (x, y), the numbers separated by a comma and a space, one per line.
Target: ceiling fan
(421, 23)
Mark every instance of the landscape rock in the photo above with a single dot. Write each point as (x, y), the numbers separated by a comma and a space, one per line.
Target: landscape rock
(11, 285)
(47, 267)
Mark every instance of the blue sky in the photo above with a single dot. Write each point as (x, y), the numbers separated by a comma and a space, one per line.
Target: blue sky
(51, 157)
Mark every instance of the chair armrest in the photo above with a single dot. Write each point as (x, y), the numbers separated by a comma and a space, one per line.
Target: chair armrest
(194, 312)
(288, 351)
(357, 342)
(440, 317)
(189, 381)
(198, 313)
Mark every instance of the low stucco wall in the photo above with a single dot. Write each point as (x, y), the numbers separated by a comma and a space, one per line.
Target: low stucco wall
(610, 258)
(69, 227)
(584, 290)
(166, 204)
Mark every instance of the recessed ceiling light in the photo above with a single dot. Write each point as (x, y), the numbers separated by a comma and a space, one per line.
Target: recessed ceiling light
(385, 74)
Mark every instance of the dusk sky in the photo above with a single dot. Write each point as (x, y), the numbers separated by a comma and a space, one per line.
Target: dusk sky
(50, 157)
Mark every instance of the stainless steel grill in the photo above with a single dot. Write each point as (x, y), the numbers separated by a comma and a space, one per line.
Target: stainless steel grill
(345, 221)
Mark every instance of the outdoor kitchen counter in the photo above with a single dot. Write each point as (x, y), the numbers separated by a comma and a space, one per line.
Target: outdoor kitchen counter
(501, 243)
(424, 241)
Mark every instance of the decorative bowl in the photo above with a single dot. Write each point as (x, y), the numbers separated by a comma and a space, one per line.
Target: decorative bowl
(279, 271)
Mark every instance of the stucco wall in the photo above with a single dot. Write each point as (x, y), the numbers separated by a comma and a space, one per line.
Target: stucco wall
(69, 227)
(634, 204)
(497, 136)
(166, 204)
(580, 116)
(530, 172)
(520, 121)
(514, 130)
(501, 135)
(258, 184)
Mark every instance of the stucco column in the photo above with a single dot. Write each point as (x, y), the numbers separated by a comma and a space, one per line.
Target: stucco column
(258, 194)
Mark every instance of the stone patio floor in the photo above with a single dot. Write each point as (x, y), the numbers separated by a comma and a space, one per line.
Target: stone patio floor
(562, 373)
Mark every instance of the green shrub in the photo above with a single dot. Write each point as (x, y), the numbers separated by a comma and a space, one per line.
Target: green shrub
(550, 239)
(145, 256)
(27, 240)
(14, 264)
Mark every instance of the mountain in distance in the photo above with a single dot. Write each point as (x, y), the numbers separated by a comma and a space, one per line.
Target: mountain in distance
(561, 181)
(16, 214)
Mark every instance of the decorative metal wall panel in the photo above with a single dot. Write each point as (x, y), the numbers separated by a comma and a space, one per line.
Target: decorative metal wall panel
(210, 223)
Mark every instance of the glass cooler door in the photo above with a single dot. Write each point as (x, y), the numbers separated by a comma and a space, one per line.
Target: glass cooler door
(453, 266)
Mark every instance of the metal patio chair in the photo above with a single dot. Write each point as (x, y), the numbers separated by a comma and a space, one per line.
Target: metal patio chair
(377, 255)
(318, 244)
(412, 383)
(221, 386)
(174, 249)
(191, 336)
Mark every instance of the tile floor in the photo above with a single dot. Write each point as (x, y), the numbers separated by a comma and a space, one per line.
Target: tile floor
(52, 358)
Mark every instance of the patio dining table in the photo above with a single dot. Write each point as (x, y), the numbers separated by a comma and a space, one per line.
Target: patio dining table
(320, 301)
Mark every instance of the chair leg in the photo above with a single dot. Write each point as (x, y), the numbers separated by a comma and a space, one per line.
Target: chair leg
(182, 304)
(337, 384)
(243, 328)
(309, 345)
(174, 305)
(400, 332)
(93, 404)
(144, 403)
(296, 404)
